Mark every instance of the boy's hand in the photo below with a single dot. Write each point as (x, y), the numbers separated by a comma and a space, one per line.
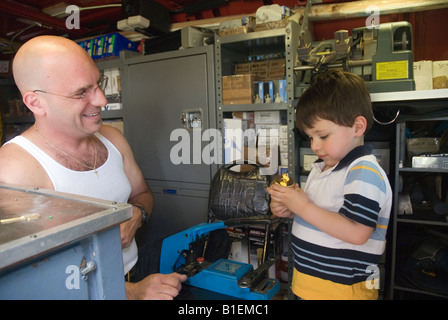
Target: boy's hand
(280, 210)
(293, 199)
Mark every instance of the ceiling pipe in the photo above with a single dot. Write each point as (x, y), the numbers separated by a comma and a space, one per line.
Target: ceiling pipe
(15, 8)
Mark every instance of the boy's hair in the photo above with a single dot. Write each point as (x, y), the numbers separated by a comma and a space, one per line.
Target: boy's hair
(337, 96)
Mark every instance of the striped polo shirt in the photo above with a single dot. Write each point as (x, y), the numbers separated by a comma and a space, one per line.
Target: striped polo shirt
(326, 267)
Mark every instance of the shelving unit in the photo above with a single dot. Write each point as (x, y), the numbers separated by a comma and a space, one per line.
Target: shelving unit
(108, 65)
(233, 49)
(238, 48)
(15, 116)
(419, 109)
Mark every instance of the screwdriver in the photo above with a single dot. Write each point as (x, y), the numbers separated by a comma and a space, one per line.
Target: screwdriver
(26, 217)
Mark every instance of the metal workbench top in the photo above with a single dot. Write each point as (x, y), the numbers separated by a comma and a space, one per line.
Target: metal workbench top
(64, 218)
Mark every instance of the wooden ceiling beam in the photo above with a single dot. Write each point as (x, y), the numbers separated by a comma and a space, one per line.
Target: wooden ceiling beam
(332, 11)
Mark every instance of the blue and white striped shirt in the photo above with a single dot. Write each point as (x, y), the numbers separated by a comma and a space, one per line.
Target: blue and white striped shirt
(358, 188)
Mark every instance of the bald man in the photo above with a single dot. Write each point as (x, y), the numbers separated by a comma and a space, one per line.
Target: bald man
(68, 149)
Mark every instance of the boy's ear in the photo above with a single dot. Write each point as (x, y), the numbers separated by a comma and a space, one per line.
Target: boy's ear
(33, 102)
(360, 126)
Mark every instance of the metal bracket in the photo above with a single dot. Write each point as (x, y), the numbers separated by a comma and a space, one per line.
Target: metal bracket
(192, 118)
(85, 269)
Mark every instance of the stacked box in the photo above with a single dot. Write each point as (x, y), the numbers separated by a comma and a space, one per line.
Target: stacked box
(267, 127)
(87, 45)
(430, 74)
(237, 89)
(114, 43)
(278, 91)
(263, 70)
(113, 89)
(276, 69)
(108, 46)
(98, 48)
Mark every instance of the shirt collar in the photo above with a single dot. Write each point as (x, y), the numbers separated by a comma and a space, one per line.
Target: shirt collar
(356, 153)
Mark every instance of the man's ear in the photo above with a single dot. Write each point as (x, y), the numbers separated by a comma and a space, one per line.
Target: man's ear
(33, 101)
(360, 126)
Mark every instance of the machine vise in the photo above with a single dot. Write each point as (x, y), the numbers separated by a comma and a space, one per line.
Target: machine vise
(382, 55)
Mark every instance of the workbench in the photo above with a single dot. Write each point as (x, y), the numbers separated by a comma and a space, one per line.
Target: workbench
(71, 251)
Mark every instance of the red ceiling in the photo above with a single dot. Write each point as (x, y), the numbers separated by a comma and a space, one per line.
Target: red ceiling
(18, 18)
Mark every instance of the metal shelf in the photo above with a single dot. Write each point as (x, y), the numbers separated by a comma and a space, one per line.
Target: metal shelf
(428, 105)
(238, 48)
(253, 107)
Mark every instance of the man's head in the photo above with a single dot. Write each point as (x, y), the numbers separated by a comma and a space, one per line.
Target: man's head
(59, 81)
(48, 61)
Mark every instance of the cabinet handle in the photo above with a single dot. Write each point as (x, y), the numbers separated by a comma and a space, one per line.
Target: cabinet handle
(91, 266)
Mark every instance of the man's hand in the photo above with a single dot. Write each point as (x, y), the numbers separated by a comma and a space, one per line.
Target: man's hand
(156, 287)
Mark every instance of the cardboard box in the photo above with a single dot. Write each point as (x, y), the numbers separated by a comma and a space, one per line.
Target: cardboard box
(283, 145)
(87, 45)
(423, 75)
(277, 63)
(98, 48)
(283, 131)
(418, 146)
(237, 30)
(243, 68)
(260, 70)
(276, 74)
(440, 74)
(237, 89)
(260, 65)
(265, 117)
(283, 158)
(271, 25)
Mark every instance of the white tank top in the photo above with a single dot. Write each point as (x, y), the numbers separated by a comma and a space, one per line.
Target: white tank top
(111, 183)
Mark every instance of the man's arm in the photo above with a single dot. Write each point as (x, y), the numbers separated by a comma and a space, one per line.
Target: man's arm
(141, 195)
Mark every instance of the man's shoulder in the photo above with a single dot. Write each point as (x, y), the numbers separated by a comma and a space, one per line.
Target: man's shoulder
(115, 137)
(17, 166)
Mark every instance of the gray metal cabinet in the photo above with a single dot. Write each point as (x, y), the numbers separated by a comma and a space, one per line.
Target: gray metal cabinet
(161, 93)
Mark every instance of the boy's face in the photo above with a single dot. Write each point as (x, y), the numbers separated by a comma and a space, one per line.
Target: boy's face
(332, 142)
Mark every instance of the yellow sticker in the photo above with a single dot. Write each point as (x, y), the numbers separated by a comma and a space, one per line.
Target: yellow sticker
(392, 70)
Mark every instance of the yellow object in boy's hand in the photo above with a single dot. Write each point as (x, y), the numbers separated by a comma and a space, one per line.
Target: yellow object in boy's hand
(285, 179)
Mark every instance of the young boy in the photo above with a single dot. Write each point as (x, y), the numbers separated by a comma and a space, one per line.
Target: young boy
(341, 217)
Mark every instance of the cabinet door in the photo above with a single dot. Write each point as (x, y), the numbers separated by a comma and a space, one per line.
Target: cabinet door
(159, 91)
(58, 274)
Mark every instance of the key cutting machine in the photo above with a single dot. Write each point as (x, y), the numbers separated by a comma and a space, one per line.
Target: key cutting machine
(186, 252)
(382, 55)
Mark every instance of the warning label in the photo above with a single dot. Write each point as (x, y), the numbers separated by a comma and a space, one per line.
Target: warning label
(392, 70)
